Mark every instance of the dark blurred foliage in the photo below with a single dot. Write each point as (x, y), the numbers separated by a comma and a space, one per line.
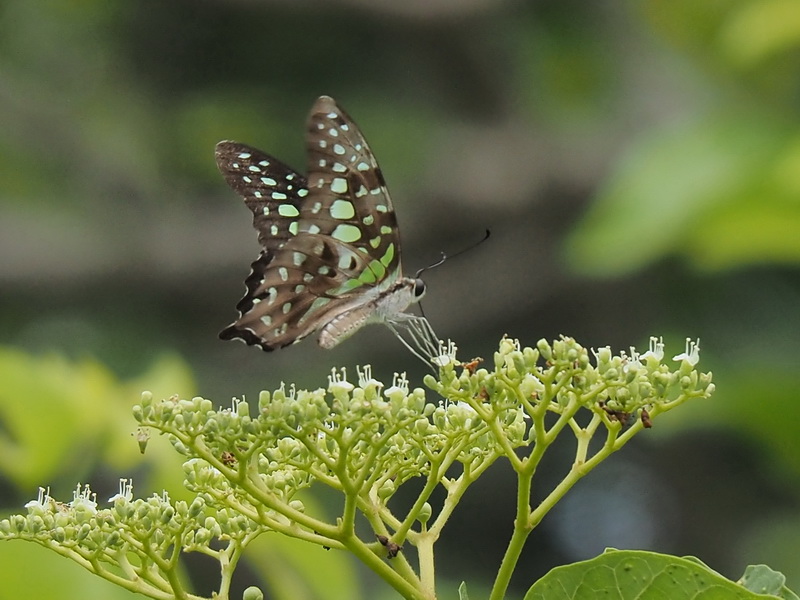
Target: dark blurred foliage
(638, 164)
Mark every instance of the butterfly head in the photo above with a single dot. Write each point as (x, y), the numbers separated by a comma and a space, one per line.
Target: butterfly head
(419, 289)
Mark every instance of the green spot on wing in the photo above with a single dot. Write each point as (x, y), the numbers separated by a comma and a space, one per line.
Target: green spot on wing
(368, 276)
(388, 256)
(342, 209)
(347, 233)
(288, 210)
(350, 285)
(339, 185)
(378, 269)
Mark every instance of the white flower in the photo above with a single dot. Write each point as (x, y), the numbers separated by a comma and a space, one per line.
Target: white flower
(125, 493)
(656, 350)
(337, 382)
(691, 354)
(84, 499)
(446, 356)
(365, 378)
(399, 386)
(41, 503)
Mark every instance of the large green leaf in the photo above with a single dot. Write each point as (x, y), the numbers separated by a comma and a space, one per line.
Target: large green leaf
(628, 574)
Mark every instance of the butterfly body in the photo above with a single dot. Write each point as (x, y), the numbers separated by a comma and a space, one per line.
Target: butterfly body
(330, 261)
(377, 307)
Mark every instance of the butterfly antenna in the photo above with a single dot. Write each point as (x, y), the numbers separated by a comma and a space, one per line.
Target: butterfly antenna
(445, 257)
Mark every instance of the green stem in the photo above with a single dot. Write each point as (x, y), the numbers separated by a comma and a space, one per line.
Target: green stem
(521, 532)
(427, 566)
(409, 589)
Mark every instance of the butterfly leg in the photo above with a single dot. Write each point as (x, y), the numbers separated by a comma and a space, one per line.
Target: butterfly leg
(423, 342)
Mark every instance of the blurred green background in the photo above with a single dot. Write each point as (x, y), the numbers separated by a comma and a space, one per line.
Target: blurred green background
(637, 162)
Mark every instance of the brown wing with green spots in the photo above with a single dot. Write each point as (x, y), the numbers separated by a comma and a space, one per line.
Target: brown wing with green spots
(348, 199)
(328, 239)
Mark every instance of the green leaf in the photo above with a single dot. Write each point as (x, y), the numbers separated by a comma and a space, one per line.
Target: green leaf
(462, 591)
(637, 574)
(715, 191)
(60, 418)
(30, 571)
(763, 580)
(756, 31)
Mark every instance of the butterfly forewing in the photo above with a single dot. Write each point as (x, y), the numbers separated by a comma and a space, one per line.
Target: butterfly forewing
(348, 199)
(327, 240)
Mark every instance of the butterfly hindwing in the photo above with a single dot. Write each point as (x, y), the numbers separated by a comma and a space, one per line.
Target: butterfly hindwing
(272, 191)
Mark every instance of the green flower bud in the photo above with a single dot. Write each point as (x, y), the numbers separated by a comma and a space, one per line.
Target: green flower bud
(113, 538)
(611, 374)
(253, 593)
(243, 409)
(5, 527)
(424, 513)
(499, 361)
(531, 358)
(386, 490)
(167, 514)
(59, 535)
(19, 523)
(545, 351)
(147, 399)
(202, 536)
(83, 531)
(263, 401)
(196, 507)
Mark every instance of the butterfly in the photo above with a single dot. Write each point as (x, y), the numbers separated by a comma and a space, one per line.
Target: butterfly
(330, 258)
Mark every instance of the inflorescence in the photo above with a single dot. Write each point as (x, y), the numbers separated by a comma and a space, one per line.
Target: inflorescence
(248, 466)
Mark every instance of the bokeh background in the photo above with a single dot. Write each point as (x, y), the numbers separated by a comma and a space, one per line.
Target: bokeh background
(638, 164)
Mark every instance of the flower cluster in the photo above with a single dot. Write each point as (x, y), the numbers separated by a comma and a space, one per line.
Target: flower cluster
(133, 542)
(561, 378)
(248, 466)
